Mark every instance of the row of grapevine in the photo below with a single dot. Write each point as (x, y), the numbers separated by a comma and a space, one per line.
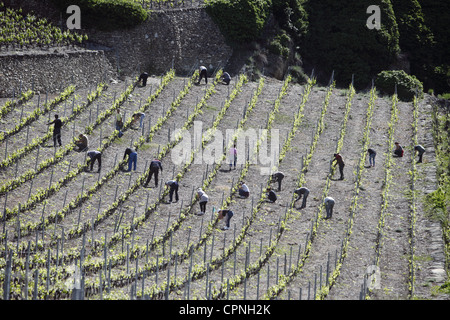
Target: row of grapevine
(30, 31)
(117, 239)
(171, 111)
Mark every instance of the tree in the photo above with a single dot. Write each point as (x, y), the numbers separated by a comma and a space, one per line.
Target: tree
(239, 20)
(338, 39)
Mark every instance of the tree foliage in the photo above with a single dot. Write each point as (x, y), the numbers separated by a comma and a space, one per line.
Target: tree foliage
(407, 85)
(239, 20)
(107, 14)
(338, 39)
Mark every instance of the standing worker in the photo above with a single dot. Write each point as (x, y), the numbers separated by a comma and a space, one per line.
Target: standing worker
(143, 77)
(421, 151)
(95, 155)
(372, 155)
(203, 74)
(173, 188)
(329, 204)
(155, 166)
(341, 164)
(303, 191)
(119, 123)
(57, 124)
(132, 158)
(227, 214)
(277, 177)
(203, 197)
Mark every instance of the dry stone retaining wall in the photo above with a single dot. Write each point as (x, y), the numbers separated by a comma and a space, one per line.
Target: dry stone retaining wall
(52, 70)
(182, 38)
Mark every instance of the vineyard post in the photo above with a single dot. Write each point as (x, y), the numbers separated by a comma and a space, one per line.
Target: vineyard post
(276, 273)
(153, 233)
(176, 265)
(6, 147)
(100, 284)
(7, 281)
(204, 253)
(166, 293)
(48, 274)
(206, 282)
(234, 265)
(212, 248)
(290, 260)
(228, 289)
(62, 240)
(157, 268)
(109, 276)
(257, 285)
(128, 259)
(27, 270)
(21, 113)
(328, 269)
(36, 280)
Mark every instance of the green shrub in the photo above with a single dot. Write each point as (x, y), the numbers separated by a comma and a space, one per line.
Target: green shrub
(280, 45)
(298, 75)
(291, 16)
(407, 85)
(239, 21)
(107, 14)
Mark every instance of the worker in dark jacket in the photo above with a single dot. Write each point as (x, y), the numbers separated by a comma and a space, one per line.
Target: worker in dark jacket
(132, 158)
(155, 166)
(57, 124)
(143, 77)
(226, 78)
(372, 155)
(420, 150)
(93, 156)
(277, 177)
(271, 196)
(303, 191)
(340, 163)
(173, 188)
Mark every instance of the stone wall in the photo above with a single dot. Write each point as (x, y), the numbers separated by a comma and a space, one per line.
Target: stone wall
(182, 38)
(51, 70)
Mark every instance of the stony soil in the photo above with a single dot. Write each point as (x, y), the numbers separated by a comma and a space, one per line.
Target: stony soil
(396, 245)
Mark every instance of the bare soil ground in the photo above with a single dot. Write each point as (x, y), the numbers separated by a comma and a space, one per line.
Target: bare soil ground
(211, 242)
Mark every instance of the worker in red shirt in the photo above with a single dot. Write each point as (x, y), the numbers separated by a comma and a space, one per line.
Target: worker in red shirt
(340, 163)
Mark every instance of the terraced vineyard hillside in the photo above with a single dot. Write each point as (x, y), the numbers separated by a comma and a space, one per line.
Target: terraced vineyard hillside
(67, 232)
